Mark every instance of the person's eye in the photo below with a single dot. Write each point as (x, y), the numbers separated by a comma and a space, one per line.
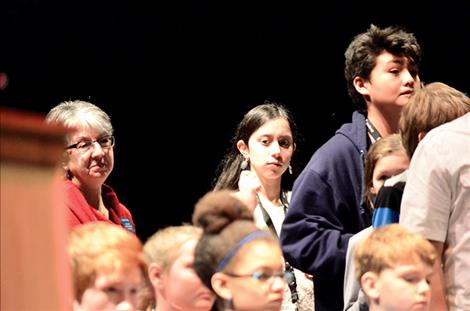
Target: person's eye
(262, 276)
(105, 141)
(383, 177)
(413, 72)
(134, 291)
(111, 290)
(411, 279)
(84, 144)
(285, 143)
(413, 69)
(264, 141)
(395, 71)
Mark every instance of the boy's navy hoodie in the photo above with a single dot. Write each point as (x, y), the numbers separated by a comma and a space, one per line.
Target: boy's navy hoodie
(327, 207)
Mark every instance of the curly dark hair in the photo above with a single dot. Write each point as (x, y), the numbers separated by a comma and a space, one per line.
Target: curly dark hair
(362, 52)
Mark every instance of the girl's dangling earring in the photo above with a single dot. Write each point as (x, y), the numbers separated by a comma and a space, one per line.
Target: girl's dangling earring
(290, 169)
(244, 164)
(229, 304)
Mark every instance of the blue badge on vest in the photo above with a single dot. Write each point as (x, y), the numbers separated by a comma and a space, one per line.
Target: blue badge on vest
(126, 223)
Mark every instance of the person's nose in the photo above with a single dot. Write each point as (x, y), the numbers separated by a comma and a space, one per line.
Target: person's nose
(275, 148)
(278, 283)
(97, 149)
(409, 79)
(128, 303)
(423, 287)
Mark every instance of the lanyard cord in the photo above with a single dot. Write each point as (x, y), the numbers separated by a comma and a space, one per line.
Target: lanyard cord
(292, 282)
(372, 131)
(267, 219)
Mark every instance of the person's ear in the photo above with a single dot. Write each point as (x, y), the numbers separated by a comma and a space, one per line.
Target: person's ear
(243, 148)
(360, 86)
(155, 273)
(421, 136)
(64, 164)
(220, 285)
(369, 284)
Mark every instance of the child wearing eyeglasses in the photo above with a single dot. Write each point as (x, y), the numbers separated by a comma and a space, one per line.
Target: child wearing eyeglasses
(242, 264)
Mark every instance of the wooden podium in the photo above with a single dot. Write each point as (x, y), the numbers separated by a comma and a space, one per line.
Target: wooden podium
(35, 274)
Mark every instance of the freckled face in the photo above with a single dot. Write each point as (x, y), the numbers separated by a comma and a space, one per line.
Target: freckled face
(411, 281)
(112, 293)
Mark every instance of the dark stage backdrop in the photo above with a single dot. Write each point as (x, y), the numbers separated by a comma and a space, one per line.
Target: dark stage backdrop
(177, 76)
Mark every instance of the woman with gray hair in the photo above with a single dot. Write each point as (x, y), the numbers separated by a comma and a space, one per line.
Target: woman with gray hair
(88, 161)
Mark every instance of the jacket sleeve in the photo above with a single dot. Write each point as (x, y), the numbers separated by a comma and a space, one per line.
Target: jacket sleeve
(353, 297)
(313, 236)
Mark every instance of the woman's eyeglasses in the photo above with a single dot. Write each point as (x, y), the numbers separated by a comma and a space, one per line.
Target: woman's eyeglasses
(87, 144)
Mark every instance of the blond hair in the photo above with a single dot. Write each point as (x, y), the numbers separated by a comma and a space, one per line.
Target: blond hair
(164, 245)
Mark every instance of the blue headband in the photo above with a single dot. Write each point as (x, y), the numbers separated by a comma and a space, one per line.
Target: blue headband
(248, 238)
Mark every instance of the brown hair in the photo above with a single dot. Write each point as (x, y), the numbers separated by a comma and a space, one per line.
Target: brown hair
(433, 105)
(381, 148)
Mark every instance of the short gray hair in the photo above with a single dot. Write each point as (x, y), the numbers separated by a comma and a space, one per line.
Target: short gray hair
(80, 113)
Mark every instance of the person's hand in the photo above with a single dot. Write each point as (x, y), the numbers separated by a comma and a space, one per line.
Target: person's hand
(248, 186)
(249, 198)
(249, 182)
